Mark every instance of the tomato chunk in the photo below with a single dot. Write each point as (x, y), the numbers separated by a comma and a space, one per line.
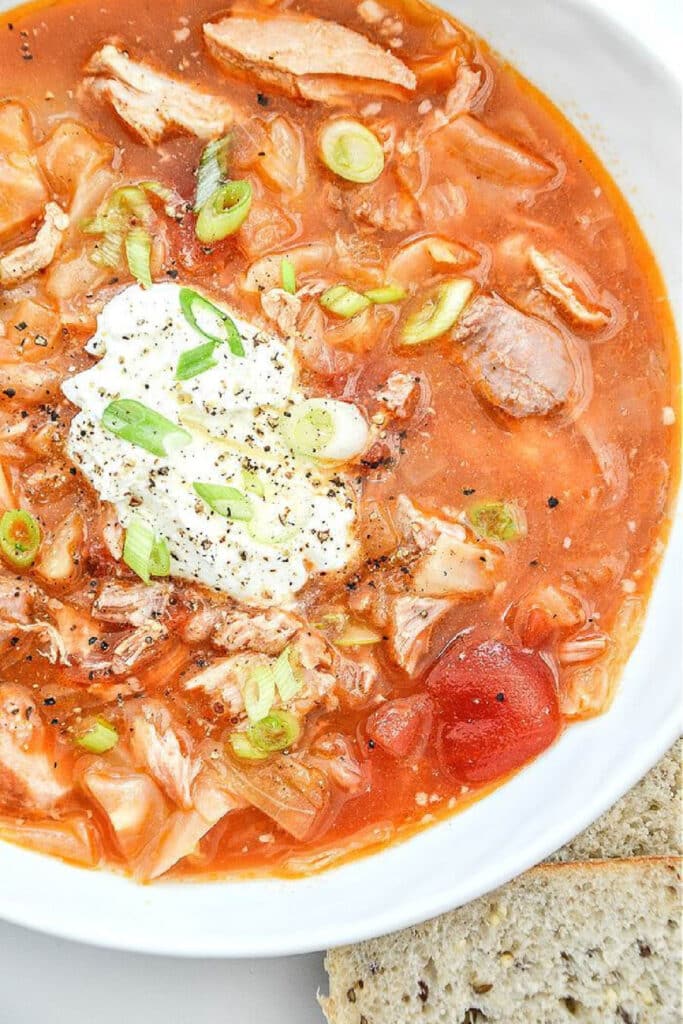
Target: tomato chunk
(400, 727)
(497, 708)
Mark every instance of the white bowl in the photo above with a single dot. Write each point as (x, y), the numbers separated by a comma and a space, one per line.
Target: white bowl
(601, 77)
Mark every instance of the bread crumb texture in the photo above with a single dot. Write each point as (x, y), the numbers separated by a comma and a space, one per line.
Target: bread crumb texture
(595, 942)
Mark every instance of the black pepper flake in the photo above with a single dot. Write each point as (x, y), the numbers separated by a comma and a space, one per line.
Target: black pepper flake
(500, 697)
(468, 490)
(10, 392)
(49, 701)
(553, 502)
(371, 744)
(422, 991)
(351, 995)
(262, 99)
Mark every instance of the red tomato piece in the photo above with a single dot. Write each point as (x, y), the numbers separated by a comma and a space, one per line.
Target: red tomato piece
(497, 706)
(401, 726)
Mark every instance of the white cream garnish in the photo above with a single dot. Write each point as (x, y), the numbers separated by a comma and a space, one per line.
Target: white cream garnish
(304, 514)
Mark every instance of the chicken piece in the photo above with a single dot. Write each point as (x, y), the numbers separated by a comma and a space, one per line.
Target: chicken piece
(571, 288)
(412, 622)
(24, 192)
(151, 103)
(26, 260)
(70, 154)
(136, 646)
(17, 597)
(131, 801)
(266, 632)
(519, 363)
(29, 777)
(73, 839)
(131, 604)
(53, 647)
(162, 749)
(397, 392)
(306, 56)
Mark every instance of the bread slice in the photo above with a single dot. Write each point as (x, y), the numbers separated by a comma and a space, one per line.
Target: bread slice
(647, 822)
(594, 942)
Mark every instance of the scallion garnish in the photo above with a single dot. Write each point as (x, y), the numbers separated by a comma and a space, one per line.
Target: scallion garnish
(196, 360)
(344, 301)
(144, 551)
(225, 501)
(98, 736)
(439, 312)
(387, 293)
(259, 692)
(309, 428)
(19, 538)
(253, 483)
(224, 211)
(350, 149)
(212, 170)
(132, 421)
(194, 306)
(277, 731)
(288, 275)
(243, 748)
(288, 682)
(138, 244)
(497, 520)
(325, 429)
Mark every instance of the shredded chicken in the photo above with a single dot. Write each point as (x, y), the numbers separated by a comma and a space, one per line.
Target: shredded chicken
(163, 750)
(137, 645)
(241, 630)
(131, 604)
(412, 622)
(151, 103)
(397, 392)
(306, 56)
(26, 260)
(520, 363)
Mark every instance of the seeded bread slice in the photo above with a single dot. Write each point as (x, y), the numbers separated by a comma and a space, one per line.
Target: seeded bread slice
(595, 942)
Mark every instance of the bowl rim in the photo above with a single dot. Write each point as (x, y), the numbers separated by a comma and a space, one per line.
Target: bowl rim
(165, 938)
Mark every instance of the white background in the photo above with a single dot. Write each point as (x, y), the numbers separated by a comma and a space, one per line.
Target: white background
(49, 981)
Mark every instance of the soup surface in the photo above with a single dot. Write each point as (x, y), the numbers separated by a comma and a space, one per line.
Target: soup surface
(337, 430)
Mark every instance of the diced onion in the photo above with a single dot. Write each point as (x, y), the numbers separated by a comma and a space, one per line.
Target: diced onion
(225, 501)
(326, 429)
(139, 256)
(259, 693)
(224, 211)
(288, 276)
(497, 520)
(132, 421)
(212, 170)
(350, 149)
(439, 313)
(344, 301)
(19, 538)
(387, 293)
(98, 737)
(276, 731)
(144, 551)
(209, 320)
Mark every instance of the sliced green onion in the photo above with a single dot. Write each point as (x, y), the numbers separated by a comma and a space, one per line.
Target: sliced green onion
(224, 211)
(98, 737)
(244, 748)
(194, 305)
(343, 301)
(325, 429)
(259, 693)
(226, 501)
(497, 520)
(19, 538)
(287, 682)
(309, 429)
(439, 312)
(387, 293)
(139, 256)
(288, 275)
(277, 731)
(144, 551)
(107, 252)
(212, 170)
(356, 634)
(350, 149)
(253, 484)
(172, 201)
(272, 527)
(197, 360)
(132, 421)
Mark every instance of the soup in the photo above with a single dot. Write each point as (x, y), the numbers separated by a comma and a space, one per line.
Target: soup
(337, 430)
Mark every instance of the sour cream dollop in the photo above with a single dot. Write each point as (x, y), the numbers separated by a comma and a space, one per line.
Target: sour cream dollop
(304, 512)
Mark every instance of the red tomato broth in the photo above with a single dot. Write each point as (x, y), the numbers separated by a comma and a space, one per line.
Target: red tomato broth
(465, 452)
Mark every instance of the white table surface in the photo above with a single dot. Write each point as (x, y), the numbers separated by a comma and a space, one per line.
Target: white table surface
(50, 981)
